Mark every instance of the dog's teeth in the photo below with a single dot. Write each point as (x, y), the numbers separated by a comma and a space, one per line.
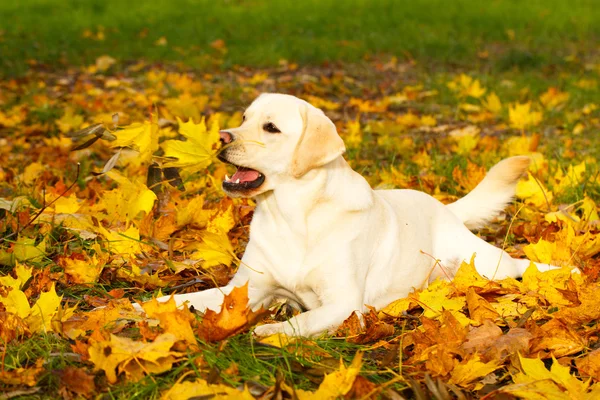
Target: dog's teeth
(237, 181)
(226, 178)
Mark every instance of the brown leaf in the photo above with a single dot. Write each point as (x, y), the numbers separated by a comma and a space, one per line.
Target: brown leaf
(590, 365)
(489, 341)
(76, 380)
(557, 338)
(374, 329)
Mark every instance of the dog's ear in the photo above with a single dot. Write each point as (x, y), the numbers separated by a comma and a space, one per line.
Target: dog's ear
(319, 143)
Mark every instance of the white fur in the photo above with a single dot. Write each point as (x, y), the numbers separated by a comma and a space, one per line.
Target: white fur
(329, 242)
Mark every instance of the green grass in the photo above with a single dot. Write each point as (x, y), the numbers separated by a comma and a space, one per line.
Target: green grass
(516, 34)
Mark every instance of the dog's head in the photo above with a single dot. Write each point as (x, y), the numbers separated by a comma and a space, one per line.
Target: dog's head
(281, 138)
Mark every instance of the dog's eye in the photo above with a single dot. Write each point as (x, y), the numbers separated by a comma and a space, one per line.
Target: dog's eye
(243, 117)
(271, 128)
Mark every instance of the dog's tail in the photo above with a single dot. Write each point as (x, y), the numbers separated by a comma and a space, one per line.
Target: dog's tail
(492, 194)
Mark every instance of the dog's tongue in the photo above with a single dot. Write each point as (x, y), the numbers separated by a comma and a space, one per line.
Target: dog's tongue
(245, 175)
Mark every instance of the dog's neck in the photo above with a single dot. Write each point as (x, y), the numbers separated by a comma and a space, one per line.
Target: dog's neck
(295, 199)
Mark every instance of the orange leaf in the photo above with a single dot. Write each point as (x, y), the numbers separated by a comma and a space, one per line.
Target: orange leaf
(235, 317)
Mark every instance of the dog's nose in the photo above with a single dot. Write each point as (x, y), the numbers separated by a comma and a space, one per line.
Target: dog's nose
(225, 137)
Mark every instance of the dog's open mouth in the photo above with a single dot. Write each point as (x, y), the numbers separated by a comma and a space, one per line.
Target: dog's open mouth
(243, 179)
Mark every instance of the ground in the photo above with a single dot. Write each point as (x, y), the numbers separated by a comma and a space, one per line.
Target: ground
(110, 192)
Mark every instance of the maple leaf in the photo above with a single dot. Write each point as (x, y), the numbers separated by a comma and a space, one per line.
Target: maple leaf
(369, 330)
(23, 376)
(69, 121)
(111, 318)
(142, 137)
(177, 322)
(235, 316)
(479, 308)
(25, 249)
(213, 250)
(467, 277)
(551, 284)
(123, 355)
(467, 181)
(466, 86)
(198, 151)
(76, 380)
(553, 98)
(438, 297)
(37, 317)
(202, 389)
(521, 117)
(590, 365)
(536, 382)
(86, 270)
(128, 201)
(492, 103)
(533, 192)
(336, 384)
(126, 242)
(470, 369)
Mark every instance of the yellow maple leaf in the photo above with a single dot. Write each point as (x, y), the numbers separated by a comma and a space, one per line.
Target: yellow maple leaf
(31, 173)
(122, 354)
(535, 382)
(336, 384)
(467, 276)
(16, 303)
(522, 117)
(466, 139)
(533, 192)
(127, 201)
(69, 121)
(575, 175)
(479, 308)
(185, 105)
(172, 320)
(200, 389)
(222, 221)
(192, 212)
(214, 249)
(198, 151)
(42, 312)
(126, 242)
(548, 284)
(23, 274)
(86, 271)
(396, 308)
(470, 369)
(437, 297)
(142, 137)
(25, 249)
(466, 86)
(553, 98)
(548, 252)
(492, 103)
(353, 134)
(65, 204)
(39, 317)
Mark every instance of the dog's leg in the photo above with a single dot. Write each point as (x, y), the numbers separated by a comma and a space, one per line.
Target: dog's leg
(339, 296)
(310, 323)
(212, 299)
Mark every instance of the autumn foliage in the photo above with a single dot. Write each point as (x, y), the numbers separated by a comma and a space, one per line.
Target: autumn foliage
(110, 193)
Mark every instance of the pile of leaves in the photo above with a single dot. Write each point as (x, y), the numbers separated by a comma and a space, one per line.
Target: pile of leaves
(110, 191)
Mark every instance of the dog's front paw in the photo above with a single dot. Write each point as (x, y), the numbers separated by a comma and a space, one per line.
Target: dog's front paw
(271, 329)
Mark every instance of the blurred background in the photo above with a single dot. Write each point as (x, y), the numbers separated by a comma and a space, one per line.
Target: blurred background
(497, 34)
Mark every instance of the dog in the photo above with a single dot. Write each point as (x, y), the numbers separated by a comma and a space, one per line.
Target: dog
(323, 239)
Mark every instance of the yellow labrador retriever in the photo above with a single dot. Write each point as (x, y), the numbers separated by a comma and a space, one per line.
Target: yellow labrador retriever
(322, 238)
